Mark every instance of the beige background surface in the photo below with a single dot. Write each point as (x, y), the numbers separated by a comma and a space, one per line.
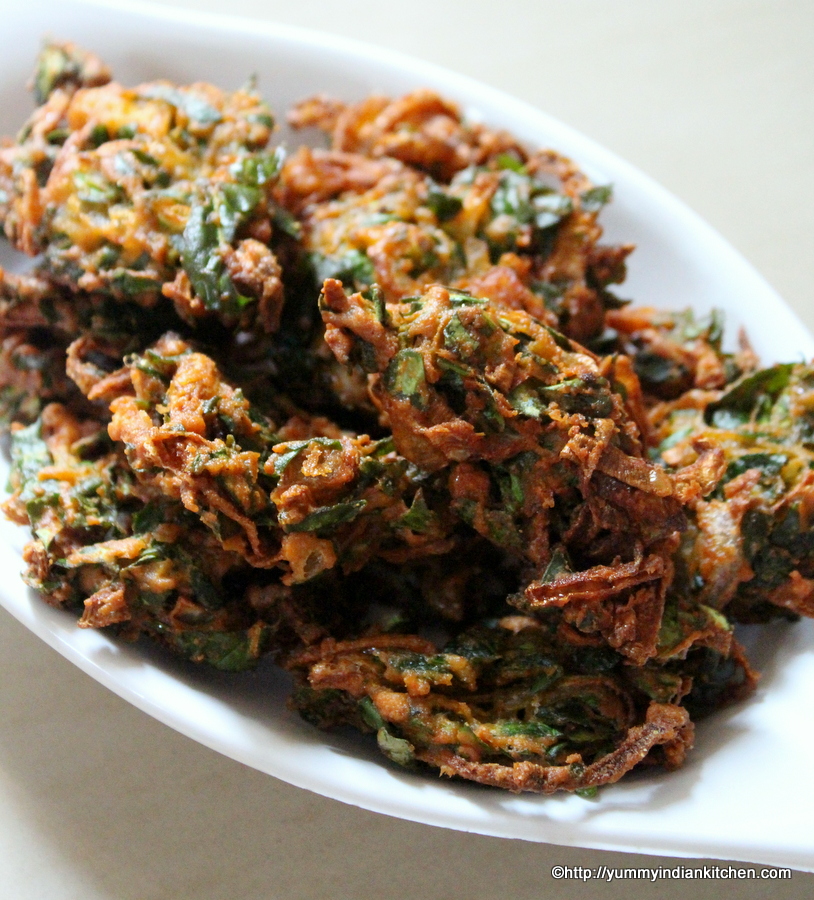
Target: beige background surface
(99, 802)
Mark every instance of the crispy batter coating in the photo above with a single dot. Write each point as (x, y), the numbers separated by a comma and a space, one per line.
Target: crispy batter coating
(54, 340)
(420, 129)
(121, 554)
(451, 428)
(675, 352)
(752, 555)
(542, 458)
(304, 496)
(523, 704)
(136, 192)
(520, 229)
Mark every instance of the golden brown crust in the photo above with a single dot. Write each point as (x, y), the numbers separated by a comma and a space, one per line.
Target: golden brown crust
(668, 727)
(467, 434)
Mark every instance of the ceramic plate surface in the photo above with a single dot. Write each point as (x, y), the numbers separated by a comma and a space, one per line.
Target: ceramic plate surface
(741, 794)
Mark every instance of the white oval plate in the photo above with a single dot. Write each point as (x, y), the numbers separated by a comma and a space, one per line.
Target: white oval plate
(741, 795)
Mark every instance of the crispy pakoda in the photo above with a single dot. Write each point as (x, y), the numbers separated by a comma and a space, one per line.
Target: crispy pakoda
(522, 703)
(32, 351)
(540, 453)
(512, 226)
(304, 496)
(467, 207)
(752, 550)
(147, 191)
(526, 423)
(420, 129)
(121, 554)
(467, 497)
(514, 704)
(54, 340)
(676, 352)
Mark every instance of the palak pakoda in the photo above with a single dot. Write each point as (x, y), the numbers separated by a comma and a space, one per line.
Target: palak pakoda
(373, 411)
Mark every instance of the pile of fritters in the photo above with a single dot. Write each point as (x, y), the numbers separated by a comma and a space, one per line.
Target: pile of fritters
(375, 412)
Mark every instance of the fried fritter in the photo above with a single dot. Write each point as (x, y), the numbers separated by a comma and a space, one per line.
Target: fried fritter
(522, 704)
(121, 554)
(420, 129)
(520, 229)
(468, 498)
(676, 352)
(752, 550)
(139, 192)
(304, 496)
